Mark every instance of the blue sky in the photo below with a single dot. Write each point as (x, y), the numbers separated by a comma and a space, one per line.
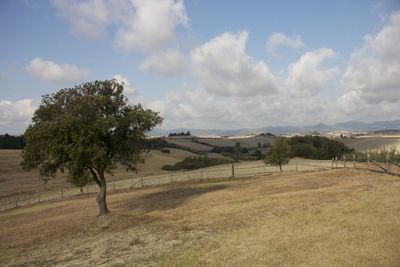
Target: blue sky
(207, 64)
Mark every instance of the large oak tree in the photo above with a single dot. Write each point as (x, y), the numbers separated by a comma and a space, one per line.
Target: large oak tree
(87, 130)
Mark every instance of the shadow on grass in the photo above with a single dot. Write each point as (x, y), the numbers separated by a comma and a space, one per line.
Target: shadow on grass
(170, 198)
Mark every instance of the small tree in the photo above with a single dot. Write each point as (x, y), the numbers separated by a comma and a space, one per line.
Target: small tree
(279, 153)
(87, 130)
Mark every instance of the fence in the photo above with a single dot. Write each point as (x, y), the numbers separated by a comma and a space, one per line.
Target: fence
(225, 171)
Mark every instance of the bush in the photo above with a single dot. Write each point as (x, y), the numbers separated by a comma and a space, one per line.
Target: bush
(192, 163)
(165, 150)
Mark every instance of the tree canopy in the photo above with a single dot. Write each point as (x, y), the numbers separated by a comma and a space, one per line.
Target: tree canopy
(87, 130)
(279, 153)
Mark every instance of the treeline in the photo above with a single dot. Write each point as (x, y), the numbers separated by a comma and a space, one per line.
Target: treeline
(11, 142)
(180, 134)
(238, 152)
(316, 147)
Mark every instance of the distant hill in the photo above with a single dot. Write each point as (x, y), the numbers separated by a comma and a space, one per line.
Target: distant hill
(322, 128)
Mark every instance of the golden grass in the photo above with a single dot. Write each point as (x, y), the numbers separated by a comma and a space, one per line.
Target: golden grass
(14, 180)
(362, 144)
(330, 218)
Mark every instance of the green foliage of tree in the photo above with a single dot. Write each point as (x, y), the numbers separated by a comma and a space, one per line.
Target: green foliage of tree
(317, 147)
(279, 153)
(87, 130)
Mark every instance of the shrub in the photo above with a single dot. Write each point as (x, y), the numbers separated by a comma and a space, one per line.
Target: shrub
(192, 163)
(165, 150)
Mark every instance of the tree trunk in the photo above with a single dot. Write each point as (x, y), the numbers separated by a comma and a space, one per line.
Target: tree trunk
(280, 167)
(101, 197)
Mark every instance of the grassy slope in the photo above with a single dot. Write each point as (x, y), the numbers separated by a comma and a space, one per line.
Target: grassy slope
(187, 142)
(14, 180)
(331, 218)
(373, 143)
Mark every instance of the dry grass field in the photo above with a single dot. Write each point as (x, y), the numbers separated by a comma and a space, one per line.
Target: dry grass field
(362, 144)
(329, 218)
(14, 180)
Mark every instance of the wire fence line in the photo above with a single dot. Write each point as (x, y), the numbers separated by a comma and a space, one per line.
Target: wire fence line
(216, 172)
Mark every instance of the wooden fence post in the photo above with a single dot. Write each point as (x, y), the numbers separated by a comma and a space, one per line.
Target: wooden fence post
(297, 168)
(201, 174)
(141, 179)
(344, 159)
(354, 160)
(387, 160)
(368, 157)
(333, 159)
(62, 193)
(336, 162)
(233, 170)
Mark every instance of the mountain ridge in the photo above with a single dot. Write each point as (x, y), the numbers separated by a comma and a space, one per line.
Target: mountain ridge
(351, 126)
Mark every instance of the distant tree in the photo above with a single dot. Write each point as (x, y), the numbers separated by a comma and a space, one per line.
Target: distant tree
(11, 142)
(87, 130)
(257, 154)
(279, 154)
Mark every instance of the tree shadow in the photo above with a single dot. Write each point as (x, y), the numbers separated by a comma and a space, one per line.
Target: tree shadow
(170, 198)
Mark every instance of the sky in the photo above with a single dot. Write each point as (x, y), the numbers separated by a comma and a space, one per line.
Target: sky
(207, 64)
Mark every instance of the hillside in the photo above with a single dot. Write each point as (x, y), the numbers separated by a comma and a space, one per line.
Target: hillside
(202, 144)
(363, 144)
(14, 180)
(331, 218)
(302, 129)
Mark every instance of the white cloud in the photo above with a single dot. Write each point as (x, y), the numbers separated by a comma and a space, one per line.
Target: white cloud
(146, 25)
(16, 112)
(224, 68)
(373, 72)
(87, 19)
(277, 40)
(196, 108)
(152, 26)
(128, 88)
(167, 63)
(308, 76)
(49, 71)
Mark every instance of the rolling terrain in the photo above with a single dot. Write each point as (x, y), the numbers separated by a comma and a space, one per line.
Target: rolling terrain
(330, 218)
(363, 144)
(14, 180)
(204, 144)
